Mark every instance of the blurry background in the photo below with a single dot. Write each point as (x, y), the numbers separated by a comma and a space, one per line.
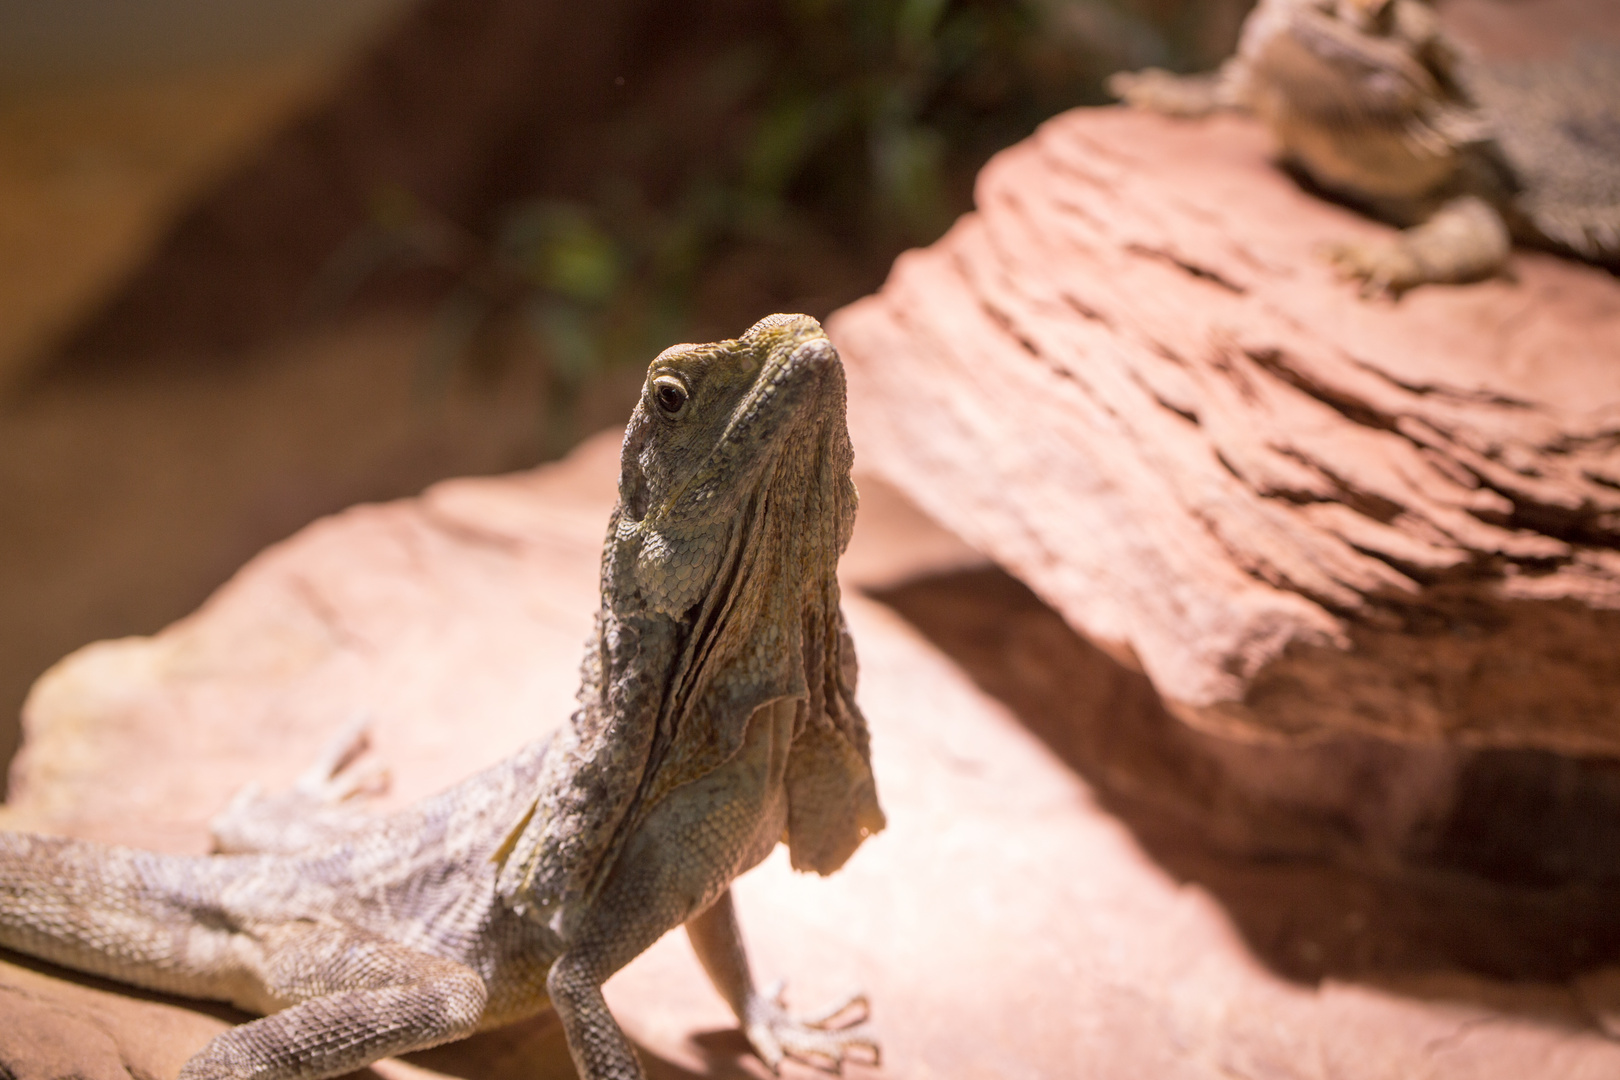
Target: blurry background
(262, 260)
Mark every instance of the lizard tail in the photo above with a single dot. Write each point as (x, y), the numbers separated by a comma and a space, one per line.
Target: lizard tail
(135, 916)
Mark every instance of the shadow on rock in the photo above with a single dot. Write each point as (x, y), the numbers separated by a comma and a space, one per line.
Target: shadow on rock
(1346, 857)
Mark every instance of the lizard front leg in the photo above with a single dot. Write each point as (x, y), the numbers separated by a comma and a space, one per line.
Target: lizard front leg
(660, 877)
(599, 1046)
(1465, 240)
(676, 868)
(824, 1039)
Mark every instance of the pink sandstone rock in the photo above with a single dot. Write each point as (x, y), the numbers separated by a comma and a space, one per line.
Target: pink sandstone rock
(1129, 378)
(1006, 924)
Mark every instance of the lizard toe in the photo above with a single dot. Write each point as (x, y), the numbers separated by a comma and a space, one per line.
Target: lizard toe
(1379, 268)
(822, 1040)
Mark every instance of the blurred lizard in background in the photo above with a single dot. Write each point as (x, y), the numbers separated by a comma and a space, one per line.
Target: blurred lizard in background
(1376, 105)
(717, 716)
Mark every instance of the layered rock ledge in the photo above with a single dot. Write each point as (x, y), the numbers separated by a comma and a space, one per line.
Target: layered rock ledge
(1130, 379)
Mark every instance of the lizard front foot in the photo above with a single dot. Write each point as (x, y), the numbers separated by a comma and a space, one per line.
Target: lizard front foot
(1160, 91)
(1383, 267)
(1465, 240)
(822, 1040)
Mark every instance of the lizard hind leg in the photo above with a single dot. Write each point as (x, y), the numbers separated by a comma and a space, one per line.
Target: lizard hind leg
(351, 998)
(317, 809)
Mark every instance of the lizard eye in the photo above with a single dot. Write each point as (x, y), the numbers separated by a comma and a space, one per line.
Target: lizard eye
(669, 394)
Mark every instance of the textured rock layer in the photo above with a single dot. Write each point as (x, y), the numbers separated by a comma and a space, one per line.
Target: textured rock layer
(1129, 378)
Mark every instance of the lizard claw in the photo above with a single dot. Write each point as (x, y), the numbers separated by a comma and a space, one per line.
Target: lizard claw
(822, 1040)
(329, 779)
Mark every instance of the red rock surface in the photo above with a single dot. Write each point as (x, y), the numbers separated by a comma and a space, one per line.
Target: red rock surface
(1130, 379)
(1007, 923)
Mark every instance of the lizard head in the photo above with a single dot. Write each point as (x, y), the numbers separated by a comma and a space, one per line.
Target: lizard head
(721, 429)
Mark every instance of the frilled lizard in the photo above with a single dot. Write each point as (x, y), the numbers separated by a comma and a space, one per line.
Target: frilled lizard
(1375, 104)
(716, 717)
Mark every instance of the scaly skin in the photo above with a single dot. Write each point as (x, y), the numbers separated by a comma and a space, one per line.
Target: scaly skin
(1373, 102)
(717, 717)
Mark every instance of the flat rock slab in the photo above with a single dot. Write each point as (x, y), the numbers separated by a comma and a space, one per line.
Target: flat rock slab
(1130, 379)
(1006, 924)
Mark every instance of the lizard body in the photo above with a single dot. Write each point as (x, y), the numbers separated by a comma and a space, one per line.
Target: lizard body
(1376, 104)
(716, 718)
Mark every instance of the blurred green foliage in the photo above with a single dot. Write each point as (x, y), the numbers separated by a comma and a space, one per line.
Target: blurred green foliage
(858, 123)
